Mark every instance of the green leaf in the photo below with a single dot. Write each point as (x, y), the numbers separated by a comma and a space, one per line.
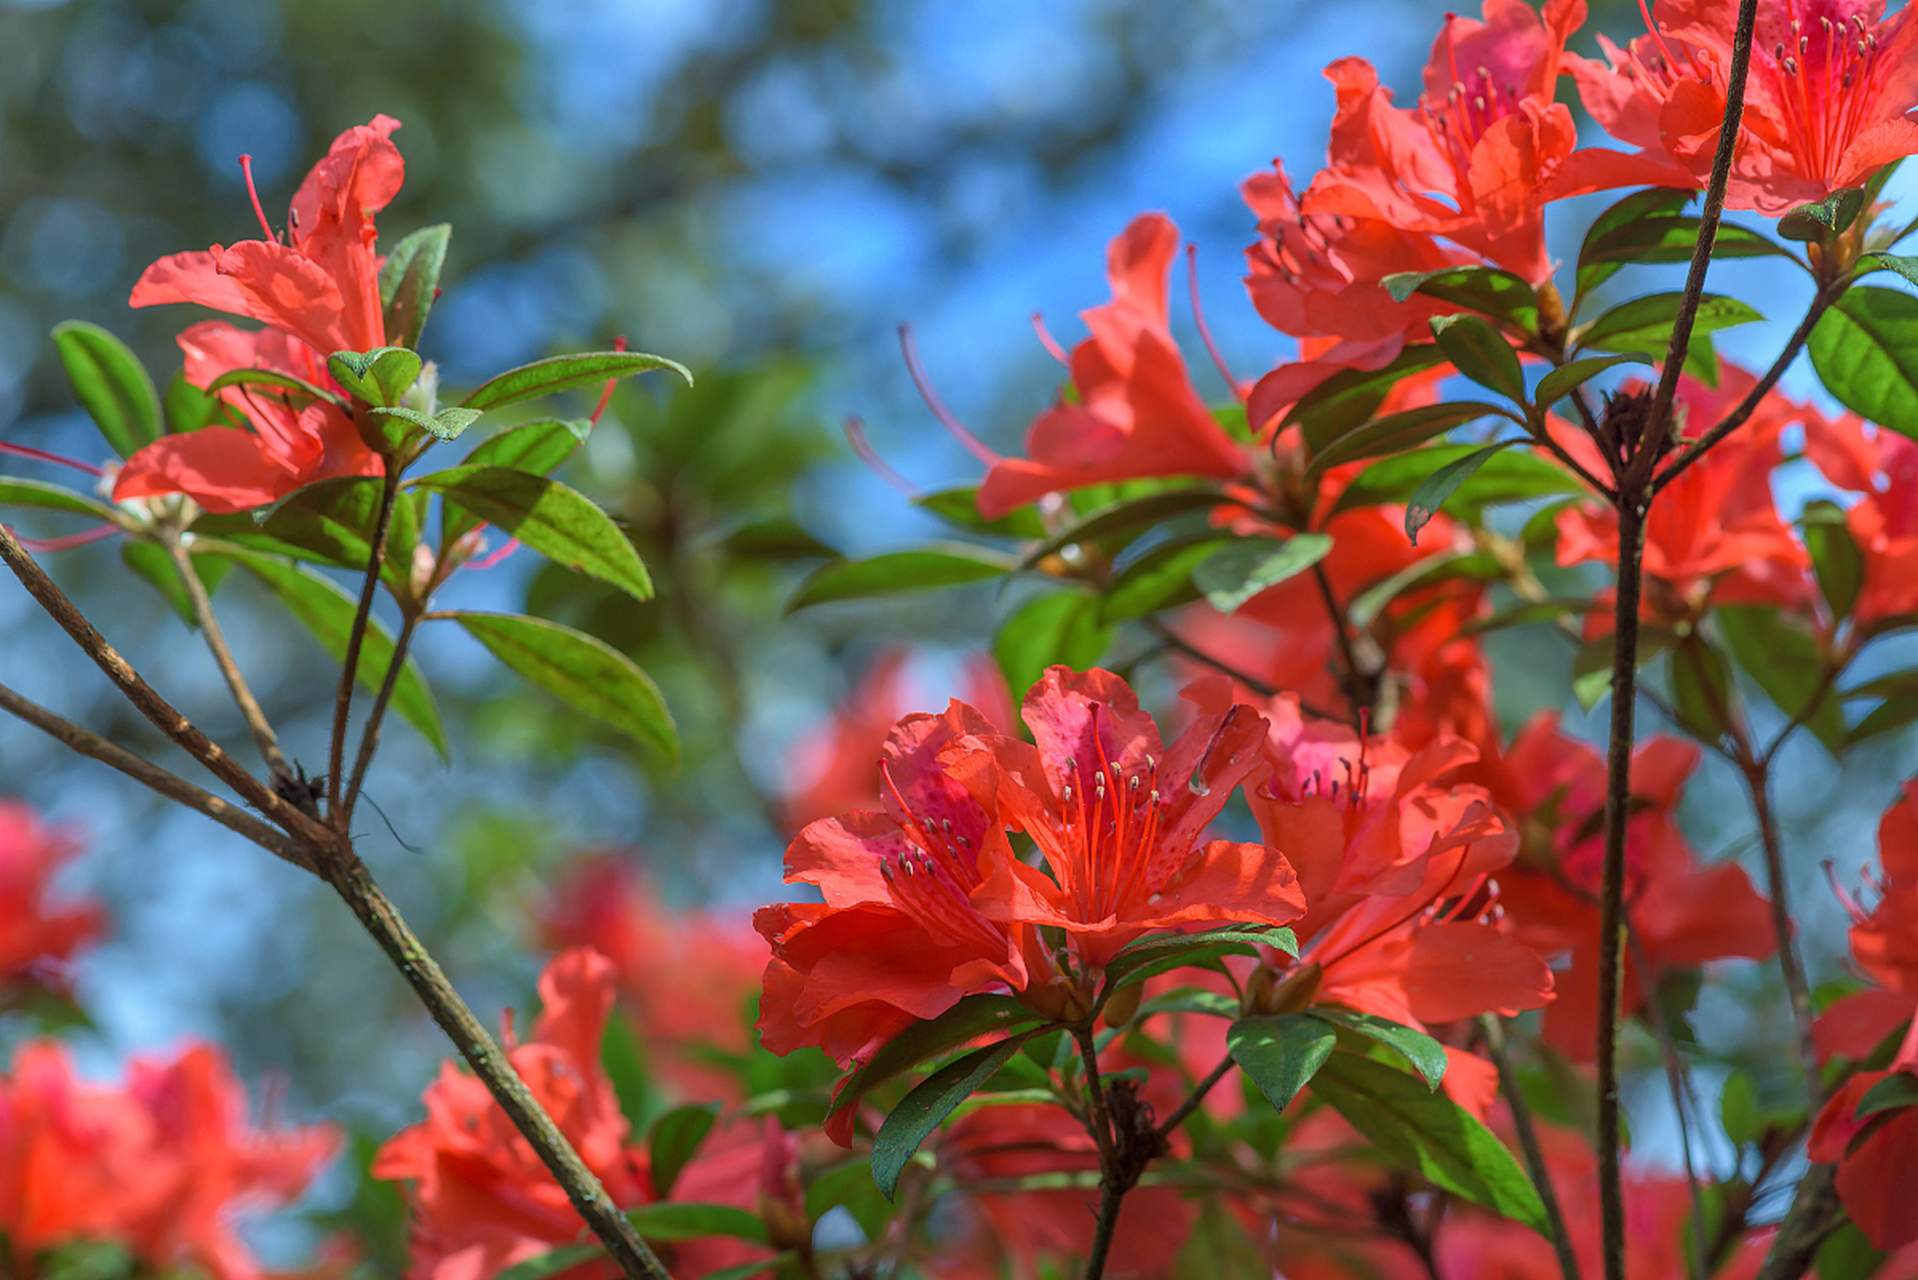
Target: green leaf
(624, 1063)
(960, 507)
(1488, 290)
(1738, 1108)
(1565, 379)
(1673, 239)
(1280, 1054)
(1443, 567)
(920, 1111)
(1781, 656)
(1701, 689)
(972, 1017)
(1865, 350)
(1592, 664)
(39, 496)
(410, 280)
(538, 448)
(110, 384)
(675, 1139)
(561, 524)
(1350, 397)
(151, 561)
(1429, 1133)
(447, 424)
(672, 1220)
(1848, 1254)
(1645, 324)
(1899, 708)
(563, 373)
(1426, 1055)
(1825, 218)
(328, 612)
(1500, 478)
(332, 521)
(552, 1262)
(1481, 353)
(1441, 484)
(187, 408)
(581, 670)
(1242, 568)
(1526, 614)
(1399, 432)
(1894, 1093)
(1893, 262)
(297, 392)
(380, 376)
(900, 572)
(1151, 956)
(1063, 626)
(1655, 205)
(1125, 516)
(1159, 577)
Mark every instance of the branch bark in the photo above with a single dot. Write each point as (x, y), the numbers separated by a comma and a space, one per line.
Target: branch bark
(343, 696)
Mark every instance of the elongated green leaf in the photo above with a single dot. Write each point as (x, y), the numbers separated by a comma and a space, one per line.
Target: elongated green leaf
(1061, 627)
(1481, 353)
(1349, 398)
(1488, 290)
(410, 280)
(581, 670)
(1160, 577)
(1701, 689)
(1865, 349)
(1399, 432)
(1672, 239)
(1894, 1093)
(534, 447)
(1281, 1054)
(960, 507)
(901, 572)
(298, 392)
(1825, 218)
(1782, 657)
(1160, 952)
(552, 1263)
(1429, 1133)
(1567, 378)
(688, 1220)
(1501, 477)
(560, 523)
(1895, 712)
(447, 424)
(110, 384)
(150, 561)
(1368, 604)
(1898, 264)
(1526, 614)
(332, 522)
(563, 373)
(39, 496)
(188, 408)
(920, 1111)
(380, 376)
(1125, 516)
(1645, 324)
(1441, 484)
(1426, 1055)
(1242, 568)
(973, 1016)
(328, 613)
(1652, 205)
(675, 1139)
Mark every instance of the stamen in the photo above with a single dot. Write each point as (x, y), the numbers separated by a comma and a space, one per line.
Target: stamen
(606, 395)
(1046, 340)
(1205, 331)
(508, 548)
(856, 437)
(40, 455)
(67, 542)
(246, 169)
(973, 444)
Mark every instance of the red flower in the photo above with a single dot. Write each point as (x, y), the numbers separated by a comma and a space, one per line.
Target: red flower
(685, 977)
(1681, 914)
(1714, 537)
(1136, 413)
(1884, 943)
(160, 1166)
(1878, 1176)
(36, 937)
(1484, 151)
(1826, 99)
(1884, 522)
(319, 292)
(482, 1200)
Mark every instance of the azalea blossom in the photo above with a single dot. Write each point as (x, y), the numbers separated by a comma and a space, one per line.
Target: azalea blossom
(318, 291)
(38, 935)
(162, 1165)
(1884, 522)
(1827, 96)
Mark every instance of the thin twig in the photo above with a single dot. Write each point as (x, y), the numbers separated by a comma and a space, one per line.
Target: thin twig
(1197, 1096)
(343, 696)
(1357, 685)
(1190, 650)
(1813, 1216)
(1682, 1103)
(150, 704)
(243, 698)
(1758, 783)
(1528, 1144)
(370, 732)
(170, 785)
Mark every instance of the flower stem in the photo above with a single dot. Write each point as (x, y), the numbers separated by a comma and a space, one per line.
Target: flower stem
(343, 697)
(1528, 1143)
(1196, 1097)
(370, 734)
(1758, 782)
(243, 698)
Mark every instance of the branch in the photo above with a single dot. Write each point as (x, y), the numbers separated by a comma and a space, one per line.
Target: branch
(1758, 782)
(1683, 1104)
(216, 642)
(150, 704)
(1196, 1097)
(1357, 690)
(343, 697)
(170, 785)
(370, 734)
(1813, 1216)
(342, 869)
(1529, 1144)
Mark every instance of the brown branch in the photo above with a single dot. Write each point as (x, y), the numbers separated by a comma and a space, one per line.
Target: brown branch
(243, 698)
(370, 734)
(150, 704)
(1358, 687)
(1197, 1096)
(343, 696)
(170, 785)
(1813, 1216)
(1758, 782)
(1528, 1144)
(1683, 1104)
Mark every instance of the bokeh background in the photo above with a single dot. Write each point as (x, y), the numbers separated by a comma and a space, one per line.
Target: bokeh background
(764, 190)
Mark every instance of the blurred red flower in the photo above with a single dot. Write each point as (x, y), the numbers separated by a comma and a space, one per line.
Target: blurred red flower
(37, 936)
(1884, 522)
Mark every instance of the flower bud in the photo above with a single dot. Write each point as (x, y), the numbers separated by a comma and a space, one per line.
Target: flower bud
(1267, 994)
(1123, 1004)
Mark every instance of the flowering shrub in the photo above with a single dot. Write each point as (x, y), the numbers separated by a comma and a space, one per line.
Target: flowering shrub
(1311, 970)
